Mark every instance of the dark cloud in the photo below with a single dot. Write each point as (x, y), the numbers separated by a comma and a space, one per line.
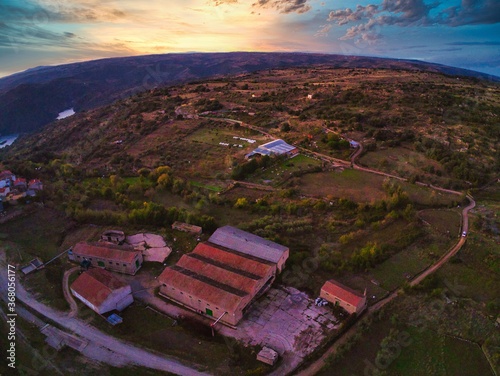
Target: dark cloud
(285, 6)
(472, 12)
(404, 13)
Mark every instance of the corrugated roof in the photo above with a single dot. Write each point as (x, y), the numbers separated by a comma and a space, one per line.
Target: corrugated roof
(218, 272)
(248, 243)
(214, 292)
(344, 293)
(278, 147)
(95, 285)
(234, 259)
(106, 251)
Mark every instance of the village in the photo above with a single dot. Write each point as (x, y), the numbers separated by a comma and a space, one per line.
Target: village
(15, 188)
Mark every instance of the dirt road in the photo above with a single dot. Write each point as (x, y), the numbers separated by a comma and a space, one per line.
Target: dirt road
(67, 294)
(315, 367)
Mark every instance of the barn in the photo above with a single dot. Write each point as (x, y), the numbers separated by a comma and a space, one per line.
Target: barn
(217, 281)
(102, 291)
(275, 147)
(338, 294)
(122, 259)
(250, 244)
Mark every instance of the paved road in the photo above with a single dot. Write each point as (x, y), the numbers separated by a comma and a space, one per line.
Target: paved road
(102, 347)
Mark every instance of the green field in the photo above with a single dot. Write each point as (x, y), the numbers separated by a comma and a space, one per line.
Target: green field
(355, 185)
(186, 340)
(284, 170)
(449, 356)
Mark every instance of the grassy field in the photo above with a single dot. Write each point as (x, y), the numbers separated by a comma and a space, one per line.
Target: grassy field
(415, 351)
(449, 356)
(399, 160)
(443, 222)
(355, 185)
(281, 171)
(188, 341)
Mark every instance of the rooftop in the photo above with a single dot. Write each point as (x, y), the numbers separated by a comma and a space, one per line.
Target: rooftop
(273, 147)
(95, 285)
(233, 259)
(344, 293)
(106, 251)
(248, 243)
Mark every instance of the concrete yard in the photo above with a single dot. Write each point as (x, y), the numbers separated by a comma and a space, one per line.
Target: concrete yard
(285, 320)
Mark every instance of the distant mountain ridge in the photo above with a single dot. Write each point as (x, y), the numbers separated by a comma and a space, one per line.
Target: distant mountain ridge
(31, 99)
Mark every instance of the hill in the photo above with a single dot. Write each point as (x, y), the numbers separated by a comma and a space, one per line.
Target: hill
(47, 91)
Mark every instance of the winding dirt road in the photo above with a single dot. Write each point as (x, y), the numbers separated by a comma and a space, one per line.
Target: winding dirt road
(315, 367)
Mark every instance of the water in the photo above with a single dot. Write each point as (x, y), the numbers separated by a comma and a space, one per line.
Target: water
(7, 140)
(66, 113)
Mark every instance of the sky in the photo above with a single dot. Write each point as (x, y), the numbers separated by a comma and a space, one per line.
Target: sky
(461, 33)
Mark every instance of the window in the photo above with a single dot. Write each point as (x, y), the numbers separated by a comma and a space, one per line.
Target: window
(173, 288)
(111, 263)
(78, 256)
(118, 263)
(182, 293)
(199, 301)
(190, 297)
(124, 264)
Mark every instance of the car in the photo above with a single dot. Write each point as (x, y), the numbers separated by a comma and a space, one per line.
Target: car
(464, 233)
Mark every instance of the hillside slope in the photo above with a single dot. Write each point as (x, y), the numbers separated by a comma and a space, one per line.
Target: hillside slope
(46, 91)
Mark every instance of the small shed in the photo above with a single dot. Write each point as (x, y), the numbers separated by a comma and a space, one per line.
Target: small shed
(186, 227)
(113, 236)
(268, 356)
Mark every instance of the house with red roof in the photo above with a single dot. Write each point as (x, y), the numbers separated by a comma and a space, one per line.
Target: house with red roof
(35, 185)
(6, 178)
(101, 291)
(20, 184)
(338, 294)
(118, 258)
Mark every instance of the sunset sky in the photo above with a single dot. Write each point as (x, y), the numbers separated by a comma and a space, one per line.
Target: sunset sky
(462, 33)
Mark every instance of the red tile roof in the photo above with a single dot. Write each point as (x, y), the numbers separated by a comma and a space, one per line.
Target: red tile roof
(106, 251)
(219, 273)
(342, 292)
(219, 295)
(234, 259)
(95, 285)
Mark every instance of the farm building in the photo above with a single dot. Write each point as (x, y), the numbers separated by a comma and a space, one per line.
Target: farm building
(217, 281)
(113, 236)
(250, 244)
(186, 227)
(276, 147)
(122, 259)
(338, 294)
(6, 178)
(102, 291)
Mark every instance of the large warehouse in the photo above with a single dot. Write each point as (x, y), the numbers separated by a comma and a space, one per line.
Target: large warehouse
(251, 244)
(218, 281)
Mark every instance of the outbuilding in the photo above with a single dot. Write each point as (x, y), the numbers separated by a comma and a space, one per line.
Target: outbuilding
(101, 291)
(122, 259)
(338, 294)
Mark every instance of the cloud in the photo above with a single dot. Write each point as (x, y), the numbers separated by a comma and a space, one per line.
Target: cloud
(220, 2)
(404, 13)
(285, 6)
(488, 43)
(472, 12)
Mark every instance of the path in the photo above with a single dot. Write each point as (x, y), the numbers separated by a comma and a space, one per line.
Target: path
(67, 294)
(101, 346)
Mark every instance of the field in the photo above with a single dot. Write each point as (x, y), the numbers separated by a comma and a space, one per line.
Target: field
(185, 340)
(282, 171)
(400, 160)
(354, 185)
